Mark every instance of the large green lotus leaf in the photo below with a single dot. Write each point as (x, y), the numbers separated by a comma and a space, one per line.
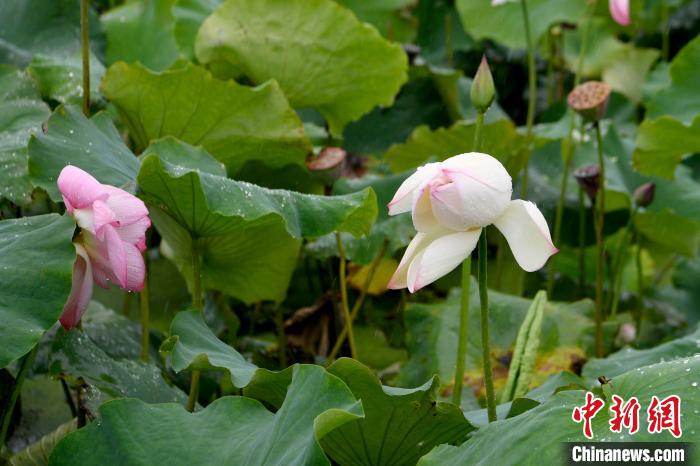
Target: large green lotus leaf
(628, 69)
(36, 263)
(386, 16)
(343, 69)
(189, 16)
(60, 78)
(21, 113)
(255, 228)
(209, 205)
(74, 355)
(550, 424)
(608, 48)
(91, 144)
(230, 431)
(232, 122)
(629, 358)
(504, 23)
(681, 99)
(46, 27)
(400, 425)
(433, 329)
(193, 346)
(499, 139)
(663, 142)
(141, 31)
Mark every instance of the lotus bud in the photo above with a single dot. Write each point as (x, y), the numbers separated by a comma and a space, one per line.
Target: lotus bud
(483, 90)
(627, 333)
(644, 195)
(590, 100)
(589, 179)
(327, 165)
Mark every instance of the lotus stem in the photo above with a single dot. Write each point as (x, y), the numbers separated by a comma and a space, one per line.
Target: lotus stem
(581, 241)
(281, 336)
(617, 264)
(640, 286)
(532, 97)
(8, 409)
(568, 154)
(344, 295)
(485, 344)
(145, 306)
(600, 246)
(463, 330)
(448, 40)
(198, 304)
(359, 302)
(85, 39)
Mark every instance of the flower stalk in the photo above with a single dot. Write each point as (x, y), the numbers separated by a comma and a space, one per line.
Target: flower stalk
(8, 409)
(344, 295)
(198, 304)
(84, 36)
(485, 343)
(600, 246)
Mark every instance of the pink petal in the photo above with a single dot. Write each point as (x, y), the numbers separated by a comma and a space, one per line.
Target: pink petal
(135, 233)
(527, 234)
(81, 290)
(102, 215)
(116, 255)
(403, 199)
(441, 257)
(127, 208)
(96, 250)
(136, 268)
(79, 189)
(620, 11)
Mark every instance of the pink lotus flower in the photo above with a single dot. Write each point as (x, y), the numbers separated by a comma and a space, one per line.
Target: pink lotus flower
(620, 11)
(451, 202)
(111, 242)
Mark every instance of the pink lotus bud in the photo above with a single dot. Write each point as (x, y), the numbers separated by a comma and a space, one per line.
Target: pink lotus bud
(644, 194)
(588, 178)
(451, 202)
(620, 11)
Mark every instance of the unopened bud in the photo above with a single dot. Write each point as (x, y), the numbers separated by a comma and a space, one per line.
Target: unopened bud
(483, 90)
(590, 100)
(627, 333)
(644, 195)
(589, 179)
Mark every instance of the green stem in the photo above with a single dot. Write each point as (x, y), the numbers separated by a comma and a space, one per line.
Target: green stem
(8, 409)
(84, 36)
(344, 296)
(532, 97)
(145, 305)
(568, 155)
(281, 336)
(448, 40)
(126, 303)
(600, 246)
(552, 49)
(485, 344)
(478, 130)
(618, 264)
(359, 302)
(198, 304)
(463, 330)
(581, 241)
(665, 33)
(640, 286)
(194, 391)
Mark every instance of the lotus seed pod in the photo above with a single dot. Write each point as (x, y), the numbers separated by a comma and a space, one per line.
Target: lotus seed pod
(590, 100)
(327, 166)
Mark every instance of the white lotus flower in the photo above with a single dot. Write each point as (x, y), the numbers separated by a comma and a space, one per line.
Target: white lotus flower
(451, 202)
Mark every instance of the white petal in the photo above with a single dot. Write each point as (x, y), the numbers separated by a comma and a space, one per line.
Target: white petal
(440, 257)
(527, 233)
(418, 243)
(403, 199)
(422, 212)
(479, 193)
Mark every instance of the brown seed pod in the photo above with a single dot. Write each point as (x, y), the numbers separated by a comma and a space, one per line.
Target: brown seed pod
(327, 165)
(588, 178)
(590, 100)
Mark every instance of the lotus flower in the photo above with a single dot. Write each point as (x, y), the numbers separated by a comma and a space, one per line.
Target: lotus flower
(111, 242)
(451, 202)
(620, 11)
